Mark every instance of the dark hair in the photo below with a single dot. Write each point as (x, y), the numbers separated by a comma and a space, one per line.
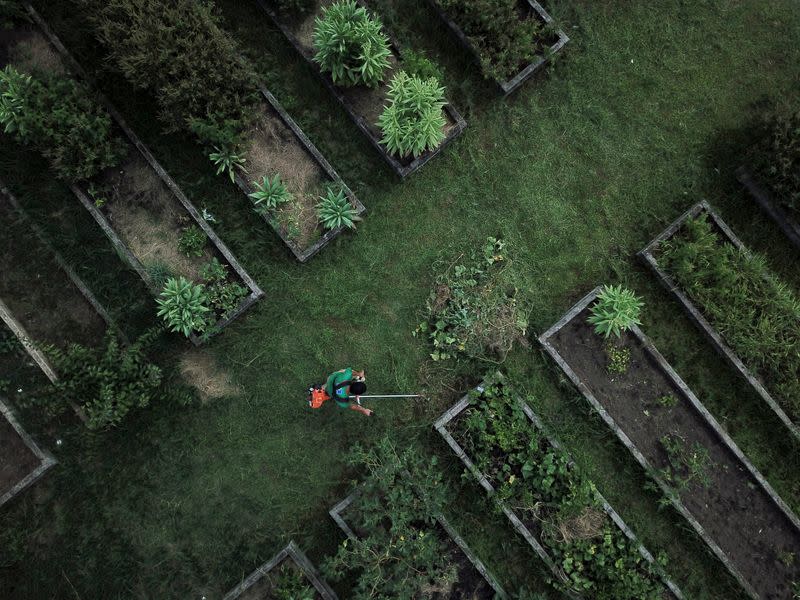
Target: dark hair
(357, 388)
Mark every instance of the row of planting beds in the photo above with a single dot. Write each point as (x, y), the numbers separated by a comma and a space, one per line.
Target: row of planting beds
(700, 470)
(136, 203)
(23, 462)
(211, 91)
(584, 542)
(510, 40)
(364, 91)
(287, 575)
(748, 315)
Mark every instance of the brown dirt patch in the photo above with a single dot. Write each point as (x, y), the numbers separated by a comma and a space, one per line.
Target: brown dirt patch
(201, 371)
(34, 52)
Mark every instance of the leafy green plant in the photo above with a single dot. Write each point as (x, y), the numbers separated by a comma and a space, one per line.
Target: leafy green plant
(687, 464)
(269, 194)
(335, 210)
(668, 401)
(224, 296)
(351, 45)
(58, 117)
(291, 584)
(417, 64)
(505, 42)
(106, 382)
(471, 311)
(618, 359)
(227, 160)
(757, 315)
(778, 159)
(616, 310)
(184, 306)
(413, 121)
(193, 241)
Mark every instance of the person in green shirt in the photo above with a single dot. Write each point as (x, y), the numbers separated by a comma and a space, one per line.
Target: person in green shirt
(344, 384)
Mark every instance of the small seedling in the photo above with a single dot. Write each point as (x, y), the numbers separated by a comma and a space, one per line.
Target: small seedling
(686, 464)
(787, 558)
(227, 160)
(668, 401)
(619, 359)
(192, 241)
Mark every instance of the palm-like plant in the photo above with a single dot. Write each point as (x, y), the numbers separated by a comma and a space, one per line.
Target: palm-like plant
(227, 160)
(335, 210)
(12, 89)
(183, 306)
(616, 310)
(269, 194)
(413, 121)
(351, 45)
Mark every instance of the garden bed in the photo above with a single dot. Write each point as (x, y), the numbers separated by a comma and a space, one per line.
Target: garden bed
(529, 9)
(729, 504)
(450, 427)
(260, 584)
(474, 581)
(275, 144)
(785, 219)
(137, 204)
(42, 300)
(650, 255)
(23, 462)
(363, 105)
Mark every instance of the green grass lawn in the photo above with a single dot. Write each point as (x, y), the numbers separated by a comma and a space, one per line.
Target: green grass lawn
(647, 111)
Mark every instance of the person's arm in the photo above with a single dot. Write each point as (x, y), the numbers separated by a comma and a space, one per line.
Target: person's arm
(361, 409)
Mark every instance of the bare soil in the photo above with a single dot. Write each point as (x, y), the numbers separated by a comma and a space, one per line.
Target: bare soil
(29, 50)
(201, 371)
(735, 511)
(17, 459)
(38, 292)
(272, 148)
(262, 589)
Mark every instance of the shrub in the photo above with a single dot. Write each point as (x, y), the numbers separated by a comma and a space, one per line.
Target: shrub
(351, 45)
(184, 306)
(269, 194)
(224, 296)
(778, 163)
(616, 310)
(106, 382)
(335, 210)
(60, 119)
(413, 122)
(504, 42)
(193, 241)
(177, 50)
(757, 315)
(470, 311)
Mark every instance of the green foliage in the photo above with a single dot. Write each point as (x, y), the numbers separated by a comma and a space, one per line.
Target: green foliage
(224, 296)
(757, 315)
(505, 43)
(105, 382)
(687, 464)
(58, 117)
(778, 160)
(184, 306)
(616, 310)
(177, 50)
(269, 194)
(399, 553)
(351, 45)
(417, 64)
(193, 241)
(227, 160)
(668, 401)
(159, 273)
(413, 121)
(618, 359)
(471, 311)
(550, 494)
(335, 210)
(291, 584)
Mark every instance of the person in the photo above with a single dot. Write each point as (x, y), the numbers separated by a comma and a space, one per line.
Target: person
(344, 384)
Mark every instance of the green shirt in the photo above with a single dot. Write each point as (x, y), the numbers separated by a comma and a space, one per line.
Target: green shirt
(336, 378)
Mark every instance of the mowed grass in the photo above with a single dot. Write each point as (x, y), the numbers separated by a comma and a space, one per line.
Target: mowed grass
(647, 111)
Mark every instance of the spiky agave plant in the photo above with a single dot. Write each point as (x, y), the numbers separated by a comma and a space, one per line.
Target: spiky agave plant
(335, 210)
(227, 160)
(413, 121)
(617, 309)
(184, 306)
(269, 194)
(351, 45)
(12, 90)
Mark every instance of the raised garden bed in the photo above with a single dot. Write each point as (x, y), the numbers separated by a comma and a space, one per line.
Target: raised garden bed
(730, 505)
(450, 427)
(42, 300)
(260, 584)
(528, 9)
(650, 255)
(785, 219)
(474, 579)
(23, 462)
(363, 105)
(137, 204)
(275, 144)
